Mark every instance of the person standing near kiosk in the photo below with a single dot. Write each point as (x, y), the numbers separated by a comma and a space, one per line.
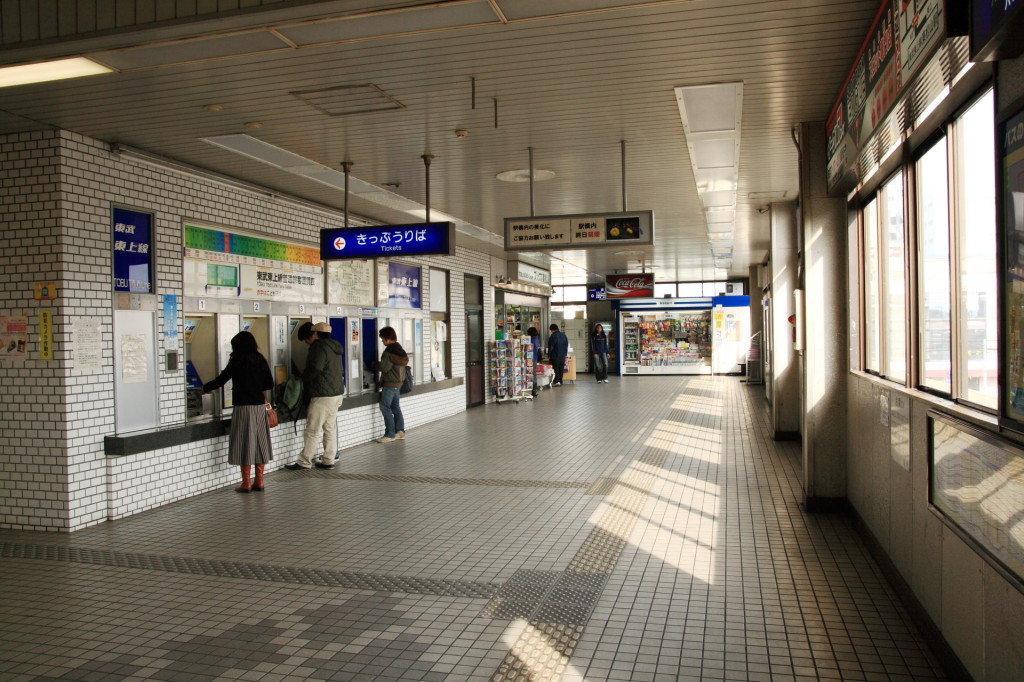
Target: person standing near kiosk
(558, 350)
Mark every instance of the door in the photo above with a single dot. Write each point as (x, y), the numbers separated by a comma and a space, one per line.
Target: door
(474, 358)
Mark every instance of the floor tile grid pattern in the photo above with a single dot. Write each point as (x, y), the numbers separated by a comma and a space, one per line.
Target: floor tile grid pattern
(729, 580)
(201, 626)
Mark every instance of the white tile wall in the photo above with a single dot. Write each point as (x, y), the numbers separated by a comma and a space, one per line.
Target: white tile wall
(58, 189)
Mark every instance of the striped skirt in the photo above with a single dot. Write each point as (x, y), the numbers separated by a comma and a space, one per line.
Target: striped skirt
(250, 436)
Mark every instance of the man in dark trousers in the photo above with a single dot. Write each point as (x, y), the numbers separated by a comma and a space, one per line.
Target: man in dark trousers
(325, 387)
(558, 349)
(392, 368)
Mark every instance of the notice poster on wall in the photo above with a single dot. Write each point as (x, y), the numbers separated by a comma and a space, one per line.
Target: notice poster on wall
(350, 282)
(134, 368)
(1012, 166)
(87, 344)
(14, 337)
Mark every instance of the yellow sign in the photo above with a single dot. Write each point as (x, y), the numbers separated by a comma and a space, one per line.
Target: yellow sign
(45, 334)
(45, 291)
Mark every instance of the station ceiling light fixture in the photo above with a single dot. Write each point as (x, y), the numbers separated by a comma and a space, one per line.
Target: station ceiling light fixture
(711, 121)
(42, 72)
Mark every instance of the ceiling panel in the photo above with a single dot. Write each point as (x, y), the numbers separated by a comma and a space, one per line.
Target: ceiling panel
(572, 88)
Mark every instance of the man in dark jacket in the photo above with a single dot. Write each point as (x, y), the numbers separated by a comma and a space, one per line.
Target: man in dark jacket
(324, 383)
(392, 368)
(558, 350)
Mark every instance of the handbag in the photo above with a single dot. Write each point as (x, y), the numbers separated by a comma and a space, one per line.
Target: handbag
(271, 414)
(406, 382)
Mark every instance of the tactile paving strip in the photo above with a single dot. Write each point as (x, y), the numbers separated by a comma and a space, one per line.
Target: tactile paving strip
(602, 486)
(251, 571)
(437, 480)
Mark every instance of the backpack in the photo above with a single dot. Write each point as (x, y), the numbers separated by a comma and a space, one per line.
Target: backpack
(290, 400)
(407, 381)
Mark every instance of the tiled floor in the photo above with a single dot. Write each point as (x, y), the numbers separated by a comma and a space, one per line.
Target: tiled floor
(645, 529)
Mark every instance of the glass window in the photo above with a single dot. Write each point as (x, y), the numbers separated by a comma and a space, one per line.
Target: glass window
(574, 293)
(978, 319)
(690, 289)
(934, 310)
(663, 290)
(894, 281)
(872, 326)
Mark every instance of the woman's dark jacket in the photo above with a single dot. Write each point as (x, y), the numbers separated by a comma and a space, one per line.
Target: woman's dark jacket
(599, 344)
(249, 376)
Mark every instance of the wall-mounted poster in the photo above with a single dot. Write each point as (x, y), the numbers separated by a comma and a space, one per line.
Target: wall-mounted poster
(350, 282)
(14, 337)
(1011, 146)
(403, 285)
(221, 264)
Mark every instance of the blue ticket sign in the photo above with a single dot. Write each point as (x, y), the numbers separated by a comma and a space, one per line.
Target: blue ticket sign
(387, 241)
(133, 247)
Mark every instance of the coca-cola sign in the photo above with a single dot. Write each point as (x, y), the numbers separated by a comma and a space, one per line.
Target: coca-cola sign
(629, 286)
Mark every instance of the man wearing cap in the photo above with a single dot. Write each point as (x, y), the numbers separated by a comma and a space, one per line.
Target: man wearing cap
(325, 385)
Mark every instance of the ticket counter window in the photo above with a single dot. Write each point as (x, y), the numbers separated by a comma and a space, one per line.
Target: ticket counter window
(299, 349)
(200, 363)
(259, 327)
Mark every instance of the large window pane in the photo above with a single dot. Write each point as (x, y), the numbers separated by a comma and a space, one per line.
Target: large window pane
(978, 342)
(663, 290)
(872, 326)
(935, 311)
(895, 289)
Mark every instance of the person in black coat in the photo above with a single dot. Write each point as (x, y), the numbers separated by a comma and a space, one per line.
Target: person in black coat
(599, 349)
(558, 350)
(250, 376)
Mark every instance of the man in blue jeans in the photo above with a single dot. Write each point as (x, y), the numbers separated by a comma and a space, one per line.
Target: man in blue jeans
(392, 366)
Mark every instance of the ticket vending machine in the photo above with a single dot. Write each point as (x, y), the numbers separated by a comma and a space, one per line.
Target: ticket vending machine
(200, 362)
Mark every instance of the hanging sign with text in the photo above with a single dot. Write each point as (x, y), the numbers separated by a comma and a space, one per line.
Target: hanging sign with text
(387, 241)
(539, 233)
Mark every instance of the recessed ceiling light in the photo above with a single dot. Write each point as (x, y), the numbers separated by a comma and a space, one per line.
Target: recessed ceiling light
(212, 107)
(42, 72)
(253, 125)
(523, 175)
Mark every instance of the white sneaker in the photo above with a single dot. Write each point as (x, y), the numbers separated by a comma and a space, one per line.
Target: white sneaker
(385, 439)
(400, 435)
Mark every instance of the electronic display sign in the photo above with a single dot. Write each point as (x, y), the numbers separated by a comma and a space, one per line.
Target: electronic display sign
(388, 241)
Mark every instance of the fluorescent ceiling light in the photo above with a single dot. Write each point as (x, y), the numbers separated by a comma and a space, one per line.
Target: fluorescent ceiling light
(264, 152)
(720, 215)
(722, 199)
(711, 107)
(41, 72)
(720, 228)
(715, 179)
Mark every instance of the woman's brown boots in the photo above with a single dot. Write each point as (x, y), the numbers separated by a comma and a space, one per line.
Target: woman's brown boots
(257, 485)
(246, 487)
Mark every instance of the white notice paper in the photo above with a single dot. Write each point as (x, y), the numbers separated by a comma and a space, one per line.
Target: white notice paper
(86, 344)
(134, 369)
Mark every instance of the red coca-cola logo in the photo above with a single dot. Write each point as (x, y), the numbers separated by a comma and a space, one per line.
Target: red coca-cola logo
(620, 286)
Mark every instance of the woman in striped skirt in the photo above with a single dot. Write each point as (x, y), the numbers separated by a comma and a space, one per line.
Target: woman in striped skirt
(250, 375)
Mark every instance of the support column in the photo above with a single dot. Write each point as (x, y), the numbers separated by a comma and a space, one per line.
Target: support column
(784, 366)
(823, 225)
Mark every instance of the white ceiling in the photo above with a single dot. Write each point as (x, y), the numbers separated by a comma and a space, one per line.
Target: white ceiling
(571, 79)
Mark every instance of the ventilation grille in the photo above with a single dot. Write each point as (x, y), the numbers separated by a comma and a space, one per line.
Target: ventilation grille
(346, 100)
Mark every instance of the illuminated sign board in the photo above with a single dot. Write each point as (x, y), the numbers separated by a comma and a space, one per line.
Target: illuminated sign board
(133, 251)
(585, 230)
(387, 241)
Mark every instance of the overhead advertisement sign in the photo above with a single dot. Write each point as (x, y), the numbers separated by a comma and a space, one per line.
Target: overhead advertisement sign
(585, 230)
(902, 38)
(133, 251)
(387, 241)
(636, 285)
